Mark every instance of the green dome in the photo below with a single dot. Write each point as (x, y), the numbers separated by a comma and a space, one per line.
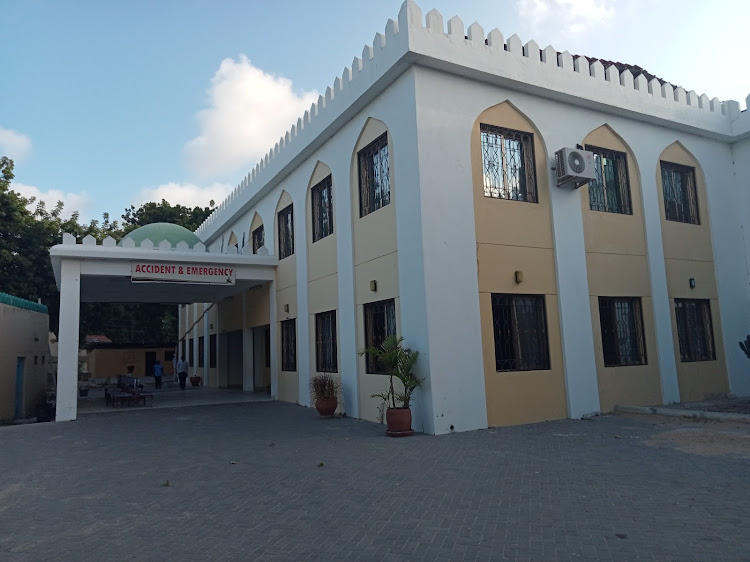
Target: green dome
(158, 231)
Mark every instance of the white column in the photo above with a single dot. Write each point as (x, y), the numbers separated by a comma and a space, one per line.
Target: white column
(67, 355)
(218, 344)
(274, 334)
(180, 332)
(248, 368)
(194, 335)
(206, 358)
(579, 359)
(303, 308)
(647, 154)
(340, 164)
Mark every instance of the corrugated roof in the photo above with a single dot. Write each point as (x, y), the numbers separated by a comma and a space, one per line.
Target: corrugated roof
(18, 302)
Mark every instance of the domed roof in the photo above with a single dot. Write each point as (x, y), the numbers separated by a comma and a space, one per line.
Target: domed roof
(158, 231)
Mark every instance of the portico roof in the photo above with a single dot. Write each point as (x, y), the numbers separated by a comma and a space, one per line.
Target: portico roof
(107, 271)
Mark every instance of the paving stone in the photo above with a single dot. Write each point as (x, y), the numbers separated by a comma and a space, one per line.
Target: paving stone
(96, 489)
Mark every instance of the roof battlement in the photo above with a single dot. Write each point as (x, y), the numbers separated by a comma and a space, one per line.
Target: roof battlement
(428, 40)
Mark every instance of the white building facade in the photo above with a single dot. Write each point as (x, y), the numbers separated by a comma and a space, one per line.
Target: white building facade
(383, 209)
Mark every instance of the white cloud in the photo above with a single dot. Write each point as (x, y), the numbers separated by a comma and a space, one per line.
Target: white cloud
(249, 110)
(565, 18)
(186, 194)
(80, 201)
(14, 145)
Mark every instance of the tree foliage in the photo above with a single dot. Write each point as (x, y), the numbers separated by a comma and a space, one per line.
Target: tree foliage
(26, 271)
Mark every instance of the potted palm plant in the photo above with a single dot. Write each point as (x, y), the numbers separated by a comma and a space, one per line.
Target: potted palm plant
(398, 362)
(325, 389)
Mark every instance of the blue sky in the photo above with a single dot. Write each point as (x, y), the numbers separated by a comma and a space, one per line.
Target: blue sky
(107, 104)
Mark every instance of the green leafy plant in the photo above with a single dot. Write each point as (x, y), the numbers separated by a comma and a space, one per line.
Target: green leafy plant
(399, 362)
(324, 386)
(745, 346)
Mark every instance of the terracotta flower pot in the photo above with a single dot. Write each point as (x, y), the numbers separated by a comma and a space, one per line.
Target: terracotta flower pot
(195, 381)
(398, 422)
(326, 406)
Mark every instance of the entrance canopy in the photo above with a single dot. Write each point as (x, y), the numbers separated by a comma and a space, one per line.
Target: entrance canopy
(140, 270)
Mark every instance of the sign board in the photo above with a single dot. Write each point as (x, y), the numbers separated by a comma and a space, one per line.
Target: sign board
(181, 273)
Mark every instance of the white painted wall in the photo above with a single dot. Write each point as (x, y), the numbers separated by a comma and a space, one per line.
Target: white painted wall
(429, 113)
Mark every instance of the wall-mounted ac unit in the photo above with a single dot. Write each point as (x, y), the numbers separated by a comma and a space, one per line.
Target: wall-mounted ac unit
(574, 166)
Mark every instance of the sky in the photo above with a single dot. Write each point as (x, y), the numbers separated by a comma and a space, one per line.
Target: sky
(104, 105)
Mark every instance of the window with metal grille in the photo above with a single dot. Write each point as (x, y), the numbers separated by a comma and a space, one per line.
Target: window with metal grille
(610, 191)
(623, 341)
(322, 209)
(212, 351)
(259, 238)
(694, 330)
(520, 325)
(286, 232)
(191, 359)
(380, 322)
(508, 164)
(201, 351)
(289, 345)
(680, 196)
(326, 354)
(374, 181)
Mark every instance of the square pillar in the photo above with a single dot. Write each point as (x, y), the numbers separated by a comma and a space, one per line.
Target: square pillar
(67, 349)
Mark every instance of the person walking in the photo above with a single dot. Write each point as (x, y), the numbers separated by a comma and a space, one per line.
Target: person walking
(158, 372)
(182, 368)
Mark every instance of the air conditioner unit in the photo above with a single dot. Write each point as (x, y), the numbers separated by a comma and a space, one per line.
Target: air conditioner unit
(574, 165)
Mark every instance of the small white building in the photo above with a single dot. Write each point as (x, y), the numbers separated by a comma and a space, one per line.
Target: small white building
(419, 197)
(24, 357)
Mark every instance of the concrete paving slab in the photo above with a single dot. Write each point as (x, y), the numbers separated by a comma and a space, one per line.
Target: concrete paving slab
(267, 480)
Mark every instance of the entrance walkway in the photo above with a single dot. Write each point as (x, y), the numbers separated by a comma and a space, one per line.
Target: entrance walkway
(272, 481)
(175, 397)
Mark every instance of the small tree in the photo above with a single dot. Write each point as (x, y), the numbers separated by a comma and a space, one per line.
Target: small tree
(399, 362)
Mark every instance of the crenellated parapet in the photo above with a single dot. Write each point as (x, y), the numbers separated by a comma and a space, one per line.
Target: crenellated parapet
(129, 243)
(430, 40)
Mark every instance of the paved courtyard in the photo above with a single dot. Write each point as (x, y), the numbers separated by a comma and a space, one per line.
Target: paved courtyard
(267, 480)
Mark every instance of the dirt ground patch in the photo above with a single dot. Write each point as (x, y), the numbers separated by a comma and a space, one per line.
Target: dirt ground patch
(699, 436)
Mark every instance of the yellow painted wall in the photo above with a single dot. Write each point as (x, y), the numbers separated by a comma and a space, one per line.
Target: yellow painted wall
(25, 334)
(511, 236)
(286, 294)
(617, 266)
(375, 259)
(109, 362)
(688, 253)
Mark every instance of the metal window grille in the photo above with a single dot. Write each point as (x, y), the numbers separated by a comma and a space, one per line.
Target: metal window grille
(623, 342)
(201, 351)
(508, 164)
(520, 325)
(694, 330)
(286, 232)
(610, 191)
(259, 238)
(288, 345)
(326, 351)
(374, 179)
(680, 196)
(380, 322)
(212, 351)
(191, 358)
(322, 209)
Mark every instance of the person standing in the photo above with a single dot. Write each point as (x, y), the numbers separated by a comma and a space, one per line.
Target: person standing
(158, 372)
(182, 368)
